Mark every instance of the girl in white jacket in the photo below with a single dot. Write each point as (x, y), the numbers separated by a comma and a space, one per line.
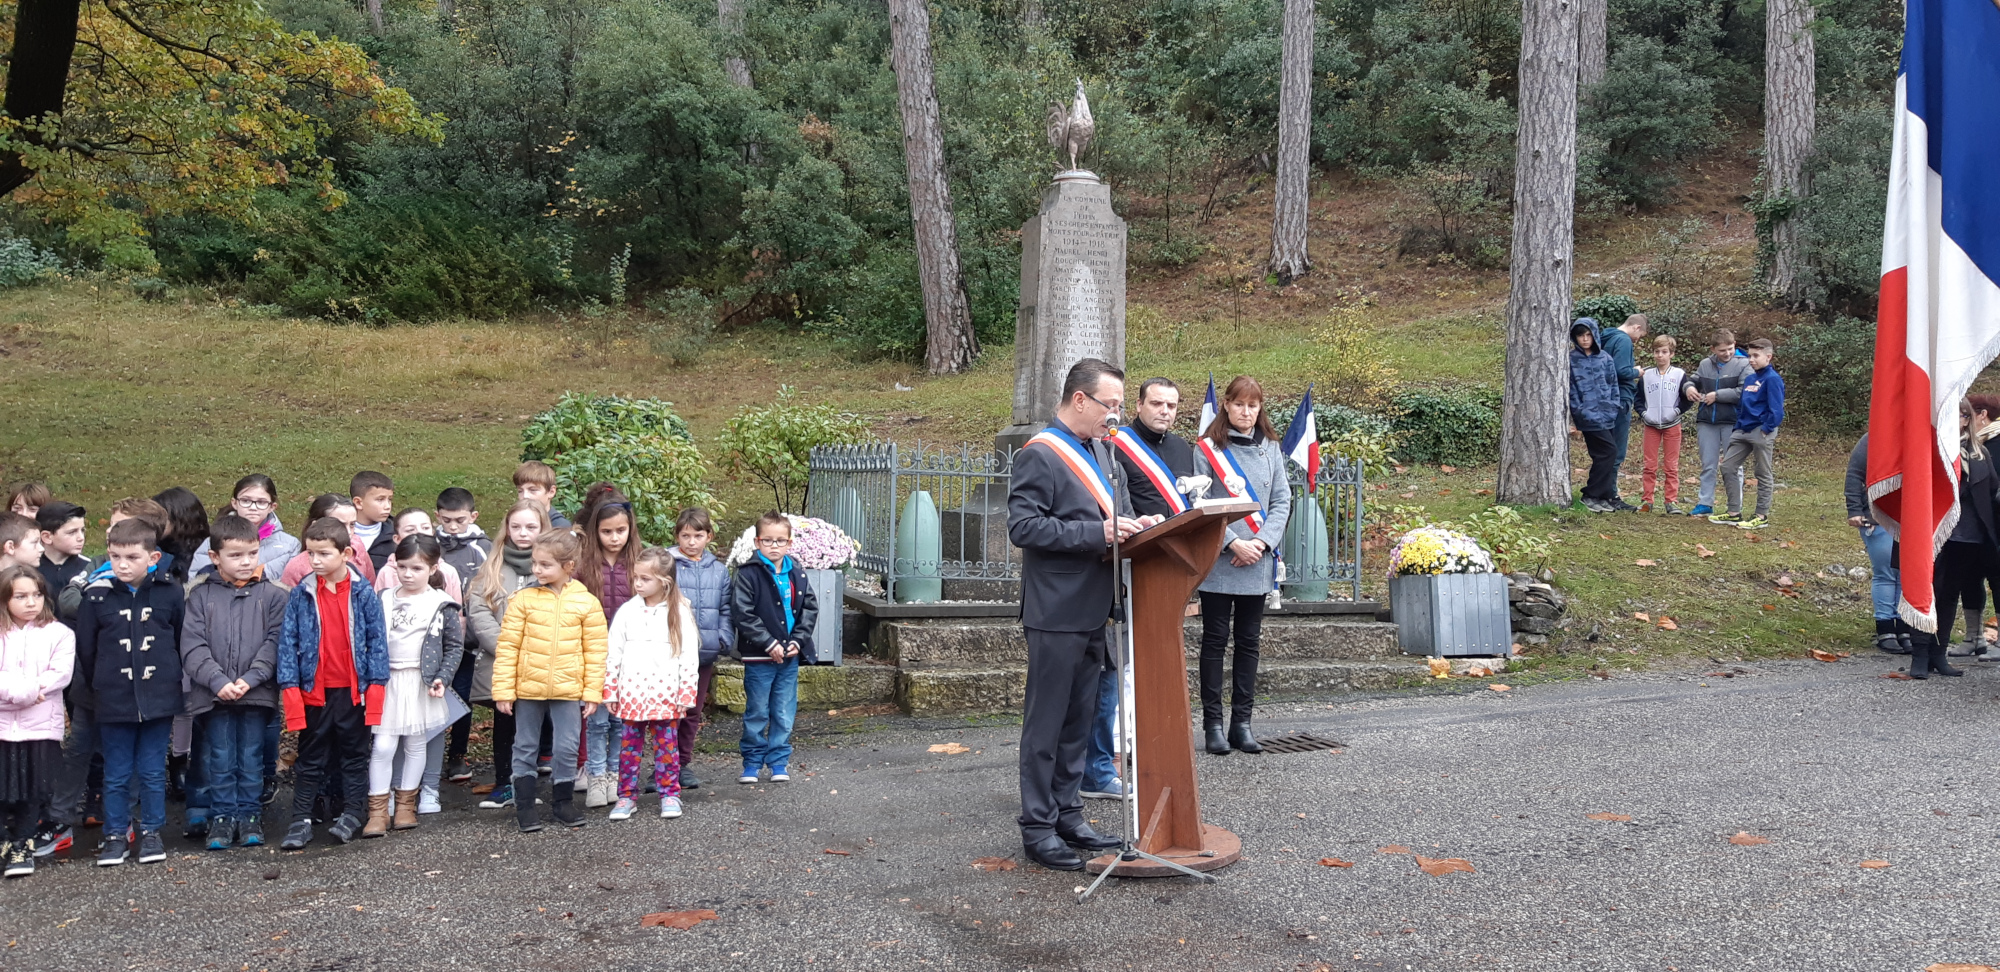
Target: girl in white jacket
(651, 673)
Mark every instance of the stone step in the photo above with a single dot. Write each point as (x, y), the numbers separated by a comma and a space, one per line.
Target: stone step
(858, 682)
(951, 691)
(978, 643)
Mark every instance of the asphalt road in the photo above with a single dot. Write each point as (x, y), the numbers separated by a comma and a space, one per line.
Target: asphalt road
(1834, 765)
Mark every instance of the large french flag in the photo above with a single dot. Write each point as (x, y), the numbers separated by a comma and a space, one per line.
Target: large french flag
(1938, 324)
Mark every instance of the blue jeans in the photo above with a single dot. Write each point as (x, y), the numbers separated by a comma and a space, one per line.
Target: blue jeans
(232, 758)
(1621, 437)
(771, 702)
(1885, 581)
(273, 733)
(603, 734)
(1100, 769)
(135, 750)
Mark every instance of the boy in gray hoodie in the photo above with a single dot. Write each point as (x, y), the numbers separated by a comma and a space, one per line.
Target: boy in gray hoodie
(229, 649)
(1718, 386)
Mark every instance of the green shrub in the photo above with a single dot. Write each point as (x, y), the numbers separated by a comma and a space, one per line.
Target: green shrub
(1502, 530)
(661, 475)
(1609, 310)
(1828, 369)
(1345, 362)
(773, 445)
(1447, 426)
(1647, 115)
(685, 324)
(22, 262)
(579, 421)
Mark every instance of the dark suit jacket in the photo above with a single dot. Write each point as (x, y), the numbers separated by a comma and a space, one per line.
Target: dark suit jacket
(1066, 582)
(1173, 450)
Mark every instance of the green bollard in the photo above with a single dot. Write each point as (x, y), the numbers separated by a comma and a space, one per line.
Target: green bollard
(919, 551)
(1306, 549)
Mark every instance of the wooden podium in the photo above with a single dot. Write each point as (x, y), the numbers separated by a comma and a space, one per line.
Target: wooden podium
(1168, 561)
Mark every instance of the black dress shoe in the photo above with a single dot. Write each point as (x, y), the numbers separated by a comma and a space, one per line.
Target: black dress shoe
(1216, 744)
(1084, 837)
(1239, 737)
(1052, 853)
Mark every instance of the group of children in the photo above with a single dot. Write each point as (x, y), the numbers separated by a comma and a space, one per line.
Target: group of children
(177, 659)
(1737, 397)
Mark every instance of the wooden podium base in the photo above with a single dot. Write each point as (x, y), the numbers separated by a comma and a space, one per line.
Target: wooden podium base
(1225, 845)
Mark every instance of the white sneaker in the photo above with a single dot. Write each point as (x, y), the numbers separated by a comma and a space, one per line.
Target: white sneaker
(427, 801)
(599, 793)
(624, 809)
(670, 807)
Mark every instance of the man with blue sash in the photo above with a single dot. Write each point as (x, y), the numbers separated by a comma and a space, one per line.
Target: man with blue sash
(1066, 505)
(1152, 458)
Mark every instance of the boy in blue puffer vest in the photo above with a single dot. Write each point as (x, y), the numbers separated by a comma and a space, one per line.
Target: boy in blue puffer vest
(1595, 402)
(774, 611)
(704, 581)
(333, 665)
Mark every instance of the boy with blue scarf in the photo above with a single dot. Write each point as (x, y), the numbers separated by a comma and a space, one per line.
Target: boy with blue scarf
(775, 612)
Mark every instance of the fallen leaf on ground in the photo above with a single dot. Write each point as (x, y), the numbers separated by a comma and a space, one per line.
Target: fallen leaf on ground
(1823, 655)
(951, 748)
(1604, 536)
(1875, 865)
(1647, 563)
(682, 920)
(1610, 817)
(1667, 624)
(1745, 838)
(1703, 552)
(1392, 849)
(1447, 469)
(842, 853)
(1958, 967)
(1788, 544)
(1482, 492)
(1441, 866)
(994, 863)
(1409, 495)
(1440, 668)
(1334, 862)
(1770, 607)
(1901, 675)
(1641, 616)
(1785, 580)
(1478, 671)
(1497, 687)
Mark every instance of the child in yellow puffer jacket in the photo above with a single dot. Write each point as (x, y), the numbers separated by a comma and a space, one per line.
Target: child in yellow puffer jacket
(549, 666)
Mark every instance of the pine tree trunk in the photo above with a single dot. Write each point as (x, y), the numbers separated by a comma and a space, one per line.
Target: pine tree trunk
(729, 16)
(374, 8)
(1592, 39)
(1788, 132)
(1534, 423)
(1288, 211)
(950, 344)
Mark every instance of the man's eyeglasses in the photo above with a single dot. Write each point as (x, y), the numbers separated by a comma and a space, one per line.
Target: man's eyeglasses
(1113, 407)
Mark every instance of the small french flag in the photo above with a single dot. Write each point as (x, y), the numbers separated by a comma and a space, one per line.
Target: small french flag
(1208, 409)
(1301, 443)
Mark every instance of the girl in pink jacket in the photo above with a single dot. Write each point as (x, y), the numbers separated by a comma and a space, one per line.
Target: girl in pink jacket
(36, 657)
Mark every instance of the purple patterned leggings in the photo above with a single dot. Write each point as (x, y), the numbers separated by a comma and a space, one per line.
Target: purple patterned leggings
(666, 759)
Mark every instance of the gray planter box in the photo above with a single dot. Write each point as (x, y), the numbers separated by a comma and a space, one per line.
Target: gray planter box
(829, 589)
(1446, 615)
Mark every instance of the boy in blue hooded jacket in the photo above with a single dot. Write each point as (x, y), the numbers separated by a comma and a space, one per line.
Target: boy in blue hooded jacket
(1595, 401)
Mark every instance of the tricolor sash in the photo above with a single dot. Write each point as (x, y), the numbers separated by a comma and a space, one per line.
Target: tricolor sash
(1081, 463)
(1222, 462)
(1149, 463)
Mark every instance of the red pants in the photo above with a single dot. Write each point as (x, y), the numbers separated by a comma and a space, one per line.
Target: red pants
(1658, 441)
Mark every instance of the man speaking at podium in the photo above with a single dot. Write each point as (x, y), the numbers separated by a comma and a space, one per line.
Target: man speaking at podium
(1066, 506)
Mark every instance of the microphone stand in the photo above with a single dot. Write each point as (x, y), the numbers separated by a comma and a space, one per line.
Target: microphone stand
(1128, 729)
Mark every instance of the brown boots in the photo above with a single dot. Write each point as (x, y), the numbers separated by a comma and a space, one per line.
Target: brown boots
(406, 810)
(378, 816)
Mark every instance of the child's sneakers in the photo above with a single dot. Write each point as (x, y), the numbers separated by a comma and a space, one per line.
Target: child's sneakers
(51, 838)
(152, 849)
(1668, 509)
(427, 801)
(779, 775)
(670, 807)
(114, 853)
(624, 809)
(1754, 523)
(1702, 510)
(18, 857)
(1729, 519)
(250, 832)
(749, 775)
(599, 792)
(501, 798)
(221, 833)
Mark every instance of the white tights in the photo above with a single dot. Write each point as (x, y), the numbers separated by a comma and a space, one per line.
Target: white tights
(382, 760)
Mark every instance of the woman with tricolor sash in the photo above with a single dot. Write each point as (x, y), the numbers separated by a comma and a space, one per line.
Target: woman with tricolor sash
(1240, 453)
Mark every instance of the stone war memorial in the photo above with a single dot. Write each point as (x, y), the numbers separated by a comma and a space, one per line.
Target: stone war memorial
(942, 634)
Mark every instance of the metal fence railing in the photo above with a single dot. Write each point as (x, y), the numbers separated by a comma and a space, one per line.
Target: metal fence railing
(882, 493)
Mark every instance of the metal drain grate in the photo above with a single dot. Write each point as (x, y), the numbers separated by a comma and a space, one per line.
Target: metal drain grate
(1298, 742)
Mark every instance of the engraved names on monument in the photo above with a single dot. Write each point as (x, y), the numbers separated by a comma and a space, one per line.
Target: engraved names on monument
(1072, 296)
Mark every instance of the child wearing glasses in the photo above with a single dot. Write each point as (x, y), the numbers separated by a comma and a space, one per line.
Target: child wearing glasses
(774, 611)
(255, 500)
